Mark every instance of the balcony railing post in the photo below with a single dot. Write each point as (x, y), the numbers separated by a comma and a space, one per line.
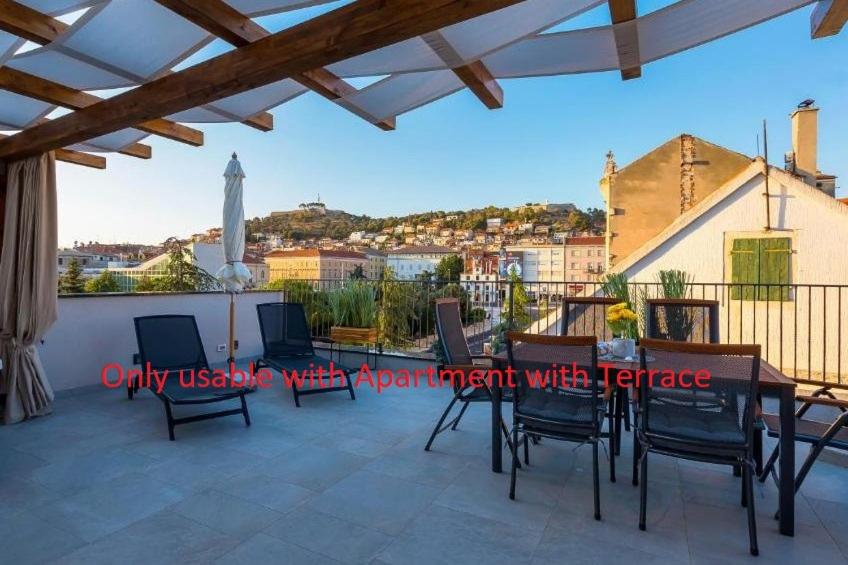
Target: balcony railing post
(510, 319)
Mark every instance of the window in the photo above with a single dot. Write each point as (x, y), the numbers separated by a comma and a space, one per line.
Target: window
(763, 262)
(588, 253)
(574, 265)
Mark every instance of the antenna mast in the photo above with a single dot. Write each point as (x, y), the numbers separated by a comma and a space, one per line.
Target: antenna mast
(766, 172)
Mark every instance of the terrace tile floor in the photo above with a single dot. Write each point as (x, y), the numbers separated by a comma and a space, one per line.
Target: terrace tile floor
(338, 481)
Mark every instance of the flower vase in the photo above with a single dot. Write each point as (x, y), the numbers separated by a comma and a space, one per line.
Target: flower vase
(623, 347)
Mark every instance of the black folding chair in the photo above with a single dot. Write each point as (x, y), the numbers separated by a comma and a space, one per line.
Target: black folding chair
(695, 321)
(172, 343)
(712, 423)
(572, 411)
(287, 347)
(458, 358)
(587, 315)
(818, 434)
(683, 319)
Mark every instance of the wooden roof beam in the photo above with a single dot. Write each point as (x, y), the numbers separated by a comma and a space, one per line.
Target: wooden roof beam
(54, 93)
(348, 31)
(30, 24)
(474, 75)
(626, 34)
(828, 18)
(221, 19)
(77, 157)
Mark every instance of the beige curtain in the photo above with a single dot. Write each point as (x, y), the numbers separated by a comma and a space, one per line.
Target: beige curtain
(28, 276)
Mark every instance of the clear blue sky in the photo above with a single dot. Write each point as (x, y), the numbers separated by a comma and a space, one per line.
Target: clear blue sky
(548, 142)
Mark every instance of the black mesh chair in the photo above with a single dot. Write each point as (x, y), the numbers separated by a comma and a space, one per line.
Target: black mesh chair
(570, 411)
(172, 343)
(712, 423)
(818, 434)
(587, 315)
(458, 357)
(287, 347)
(684, 319)
(694, 321)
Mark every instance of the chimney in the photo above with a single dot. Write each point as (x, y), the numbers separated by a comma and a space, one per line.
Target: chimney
(803, 160)
(805, 131)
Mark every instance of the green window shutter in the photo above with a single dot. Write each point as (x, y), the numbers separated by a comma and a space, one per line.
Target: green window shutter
(775, 255)
(745, 268)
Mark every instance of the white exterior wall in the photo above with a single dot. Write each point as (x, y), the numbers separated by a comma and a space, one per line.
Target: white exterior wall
(407, 267)
(93, 331)
(818, 227)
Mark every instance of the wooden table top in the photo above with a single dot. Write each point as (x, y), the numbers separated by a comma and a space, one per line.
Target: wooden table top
(770, 376)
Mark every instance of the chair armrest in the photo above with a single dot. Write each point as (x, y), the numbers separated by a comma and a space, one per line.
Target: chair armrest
(823, 401)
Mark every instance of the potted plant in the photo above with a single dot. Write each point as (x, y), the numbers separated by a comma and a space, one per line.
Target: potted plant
(623, 323)
(353, 307)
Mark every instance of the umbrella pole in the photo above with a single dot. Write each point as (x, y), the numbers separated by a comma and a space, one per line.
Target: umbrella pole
(232, 341)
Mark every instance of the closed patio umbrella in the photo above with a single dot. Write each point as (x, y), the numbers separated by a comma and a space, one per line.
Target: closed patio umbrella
(233, 275)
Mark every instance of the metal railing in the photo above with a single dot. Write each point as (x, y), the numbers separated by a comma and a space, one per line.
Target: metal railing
(800, 327)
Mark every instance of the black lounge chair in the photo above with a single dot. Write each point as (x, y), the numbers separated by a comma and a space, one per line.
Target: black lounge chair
(172, 343)
(287, 346)
(714, 424)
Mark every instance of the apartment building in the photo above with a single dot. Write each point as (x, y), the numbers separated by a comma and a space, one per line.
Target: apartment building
(543, 265)
(410, 262)
(377, 261)
(324, 264)
(585, 258)
(480, 279)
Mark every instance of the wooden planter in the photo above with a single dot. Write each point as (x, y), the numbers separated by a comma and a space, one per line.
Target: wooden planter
(353, 336)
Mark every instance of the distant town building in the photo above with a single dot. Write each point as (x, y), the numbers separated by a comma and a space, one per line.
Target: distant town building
(480, 279)
(314, 264)
(259, 270)
(494, 224)
(543, 265)
(585, 258)
(410, 262)
(377, 261)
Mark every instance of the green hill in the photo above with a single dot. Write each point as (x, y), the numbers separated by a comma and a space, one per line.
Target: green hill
(306, 224)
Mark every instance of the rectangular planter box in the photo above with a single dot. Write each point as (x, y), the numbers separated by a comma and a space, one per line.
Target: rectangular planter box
(354, 336)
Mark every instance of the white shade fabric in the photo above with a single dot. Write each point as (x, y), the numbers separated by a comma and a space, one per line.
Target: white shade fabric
(233, 274)
(59, 7)
(70, 71)
(18, 112)
(398, 94)
(112, 141)
(263, 7)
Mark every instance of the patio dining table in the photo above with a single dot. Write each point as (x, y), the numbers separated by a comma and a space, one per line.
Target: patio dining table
(772, 383)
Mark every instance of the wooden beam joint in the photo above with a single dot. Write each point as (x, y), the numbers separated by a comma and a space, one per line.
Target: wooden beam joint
(626, 32)
(828, 18)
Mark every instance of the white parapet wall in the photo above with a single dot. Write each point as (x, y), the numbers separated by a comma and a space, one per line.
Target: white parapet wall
(94, 331)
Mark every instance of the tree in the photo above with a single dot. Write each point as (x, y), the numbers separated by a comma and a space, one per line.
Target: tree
(520, 302)
(146, 284)
(72, 282)
(358, 273)
(181, 273)
(105, 282)
(449, 268)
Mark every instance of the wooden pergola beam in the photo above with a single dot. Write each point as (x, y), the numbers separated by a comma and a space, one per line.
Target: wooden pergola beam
(828, 18)
(625, 30)
(224, 21)
(74, 158)
(474, 75)
(353, 29)
(30, 24)
(51, 92)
